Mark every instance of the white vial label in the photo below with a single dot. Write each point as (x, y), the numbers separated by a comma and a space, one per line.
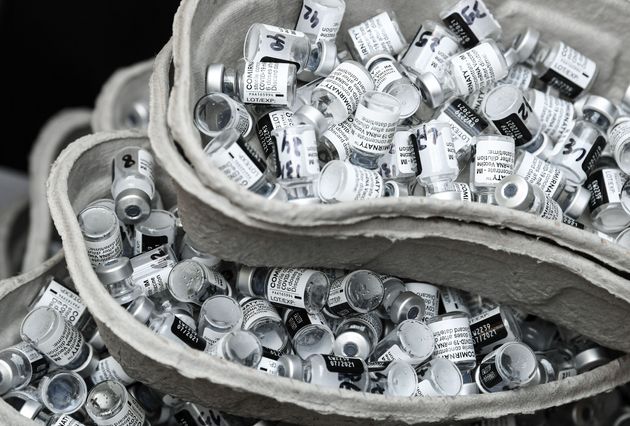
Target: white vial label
(339, 136)
(239, 163)
(494, 160)
(286, 286)
(477, 68)
(63, 346)
(430, 51)
(436, 152)
(453, 301)
(551, 210)
(270, 122)
(429, 294)
(265, 83)
(453, 340)
(255, 309)
(323, 22)
(109, 369)
(211, 336)
(62, 300)
(519, 76)
(471, 21)
(131, 414)
(376, 35)
(65, 420)
(540, 173)
(347, 83)
(555, 114)
(384, 73)
(360, 184)
(278, 44)
(605, 186)
(569, 71)
(152, 277)
(269, 361)
(619, 134)
(425, 388)
(297, 155)
(401, 159)
(145, 163)
(373, 131)
(337, 301)
(394, 353)
(579, 156)
(104, 250)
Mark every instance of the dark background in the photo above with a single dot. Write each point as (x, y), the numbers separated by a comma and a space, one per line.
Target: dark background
(58, 54)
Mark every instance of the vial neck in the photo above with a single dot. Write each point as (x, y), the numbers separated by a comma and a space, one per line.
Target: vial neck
(314, 58)
(597, 119)
(229, 81)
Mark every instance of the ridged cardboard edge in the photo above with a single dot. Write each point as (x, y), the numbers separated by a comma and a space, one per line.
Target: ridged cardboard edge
(13, 227)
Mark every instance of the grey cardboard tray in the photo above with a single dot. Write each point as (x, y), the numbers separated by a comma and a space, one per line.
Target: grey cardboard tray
(13, 231)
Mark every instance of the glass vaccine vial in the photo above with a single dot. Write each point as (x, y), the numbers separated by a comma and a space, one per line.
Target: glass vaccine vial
(399, 163)
(290, 287)
(310, 333)
(152, 268)
(189, 251)
(272, 120)
(453, 339)
(101, 234)
(262, 319)
(267, 83)
(357, 336)
(239, 346)
(438, 377)
(430, 49)
(109, 403)
(359, 292)
(321, 18)
(340, 181)
(133, 185)
(218, 316)
(619, 142)
(493, 161)
(173, 328)
(435, 154)
(192, 282)
(606, 184)
(379, 34)
(492, 328)
(156, 230)
(216, 112)
(411, 341)
(556, 115)
(390, 77)
(519, 76)
(115, 275)
(514, 192)
(399, 303)
(471, 21)
(513, 365)
(395, 378)
(20, 365)
(109, 369)
(63, 392)
(334, 143)
(328, 371)
(431, 296)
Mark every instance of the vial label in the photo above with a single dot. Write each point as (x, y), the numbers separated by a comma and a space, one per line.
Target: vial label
(211, 336)
(515, 124)
(572, 222)
(323, 22)
(619, 135)
(453, 340)
(269, 361)
(519, 76)
(394, 353)
(145, 164)
(62, 300)
(425, 388)
(555, 114)
(109, 369)
(187, 334)
(364, 184)
(243, 119)
(278, 44)
(605, 186)
(494, 161)
(105, 249)
(297, 319)
(489, 376)
(239, 163)
(477, 68)
(371, 324)
(464, 121)
(286, 286)
(339, 136)
(64, 345)
(347, 83)
(269, 122)
(255, 309)
(566, 373)
(550, 209)
(39, 364)
(579, 155)
(65, 420)
(265, 83)
(376, 35)
(435, 152)
(429, 51)
(487, 329)
(144, 242)
(453, 301)
(337, 304)
(154, 283)
(429, 294)
(384, 73)
(400, 160)
(338, 364)
(151, 270)
(540, 173)
(373, 131)
(296, 155)
(131, 414)
(470, 21)
(569, 71)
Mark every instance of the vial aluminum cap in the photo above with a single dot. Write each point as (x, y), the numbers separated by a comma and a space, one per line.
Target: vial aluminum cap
(114, 270)
(97, 342)
(328, 57)
(525, 43)
(90, 364)
(430, 89)
(378, 57)
(359, 342)
(214, 78)
(244, 280)
(590, 359)
(601, 105)
(578, 203)
(6, 377)
(308, 114)
(514, 192)
(486, 198)
(469, 389)
(407, 305)
(141, 309)
(511, 57)
(291, 366)
(133, 206)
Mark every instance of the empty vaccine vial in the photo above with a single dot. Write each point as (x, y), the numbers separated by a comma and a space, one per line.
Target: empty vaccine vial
(170, 326)
(101, 234)
(193, 282)
(389, 77)
(556, 115)
(454, 300)
(399, 303)
(188, 250)
(467, 72)
(514, 192)
(109, 403)
(452, 191)
(156, 230)
(539, 334)
(493, 161)
(239, 346)
(471, 21)
(359, 292)
(152, 268)
(492, 328)
(310, 333)
(133, 185)
(399, 163)
(297, 161)
(64, 301)
(438, 377)
(293, 287)
(20, 365)
(269, 361)
(411, 341)
(110, 369)
(116, 277)
(340, 181)
(262, 319)
(266, 83)
(328, 371)
(321, 18)
(519, 76)
(373, 128)
(268, 43)
(555, 63)
(430, 49)
(435, 153)
(336, 97)
(216, 112)
(219, 315)
(379, 34)
(357, 336)
(513, 365)
(270, 121)
(556, 364)
(334, 143)
(63, 392)
(431, 296)
(453, 339)
(619, 142)
(395, 378)
(607, 213)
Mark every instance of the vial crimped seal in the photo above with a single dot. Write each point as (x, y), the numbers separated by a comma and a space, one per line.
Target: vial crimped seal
(133, 185)
(115, 275)
(398, 303)
(20, 365)
(109, 403)
(239, 346)
(193, 282)
(218, 316)
(514, 192)
(63, 392)
(216, 112)
(101, 234)
(411, 341)
(513, 365)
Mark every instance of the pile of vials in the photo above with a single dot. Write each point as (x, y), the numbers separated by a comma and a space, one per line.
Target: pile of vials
(459, 113)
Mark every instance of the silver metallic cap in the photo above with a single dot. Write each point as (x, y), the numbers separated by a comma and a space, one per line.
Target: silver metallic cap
(114, 270)
(214, 78)
(141, 309)
(290, 366)
(310, 115)
(511, 57)
(6, 377)
(590, 359)
(601, 105)
(430, 89)
(328, 57)
(244, 280)
(486, 198)
(469, 389)
(352, 344)
(514, 192)
(408, 305)
(525, 43)
(133, 206)
(90, 364)
(97, 342)
(576, 202)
